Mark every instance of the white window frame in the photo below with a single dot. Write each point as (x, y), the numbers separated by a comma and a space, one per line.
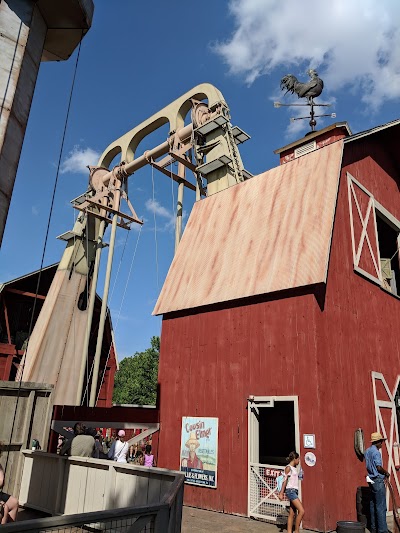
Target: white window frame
(392, 221)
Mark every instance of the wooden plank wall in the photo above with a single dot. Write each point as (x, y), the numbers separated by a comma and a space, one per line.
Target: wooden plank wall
(212, 361)
(25, 415)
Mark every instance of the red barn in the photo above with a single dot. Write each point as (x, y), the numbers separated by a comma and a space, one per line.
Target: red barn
(281, 320)
(17, 298)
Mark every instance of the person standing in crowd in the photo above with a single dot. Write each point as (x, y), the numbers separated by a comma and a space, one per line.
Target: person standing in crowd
(9, 504)
(119, 448)
(290, 489)
(132, 453)
(139, 458)
(98, 448)
(60, 443)
(376, 480)
(148, 457)
(82, 445)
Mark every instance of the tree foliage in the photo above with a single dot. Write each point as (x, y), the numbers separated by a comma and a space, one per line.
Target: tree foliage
(136, 379)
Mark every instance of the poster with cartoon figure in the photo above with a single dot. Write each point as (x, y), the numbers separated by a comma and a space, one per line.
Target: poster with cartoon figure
(199, 450)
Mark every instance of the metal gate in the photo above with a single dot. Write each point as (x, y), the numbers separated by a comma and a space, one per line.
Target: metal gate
(263, 495)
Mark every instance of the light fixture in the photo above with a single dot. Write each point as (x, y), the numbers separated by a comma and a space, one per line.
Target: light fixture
(221, 120)
(246, 174)
(225, 159)
(79, 200)
(214, 165)
(69, 235)
(212, 125)
(239, 135)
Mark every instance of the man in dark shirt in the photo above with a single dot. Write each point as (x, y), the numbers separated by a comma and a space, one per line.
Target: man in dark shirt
(82, 445)
(376, 478)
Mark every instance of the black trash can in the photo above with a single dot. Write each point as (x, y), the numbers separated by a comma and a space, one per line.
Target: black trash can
(347, 526)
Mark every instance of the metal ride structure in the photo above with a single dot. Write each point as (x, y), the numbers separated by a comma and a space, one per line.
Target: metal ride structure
(207, 147)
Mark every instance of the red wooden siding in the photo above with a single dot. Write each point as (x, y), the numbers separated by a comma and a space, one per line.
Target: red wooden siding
(211, 361)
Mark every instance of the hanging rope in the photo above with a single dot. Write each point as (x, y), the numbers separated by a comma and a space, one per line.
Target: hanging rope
(89, 374)
(120, 309)
(87, 294)
(396, 252)
(155, 227)
(45, 242)
(174, 213)
(119, 265)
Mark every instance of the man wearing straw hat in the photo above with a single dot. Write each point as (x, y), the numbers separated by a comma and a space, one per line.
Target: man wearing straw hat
(376, 480)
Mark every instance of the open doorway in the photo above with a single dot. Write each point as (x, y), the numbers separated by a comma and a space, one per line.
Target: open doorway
(277, 435)
(273, 434)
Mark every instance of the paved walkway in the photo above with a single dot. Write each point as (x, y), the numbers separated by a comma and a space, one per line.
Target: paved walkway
(199, 520)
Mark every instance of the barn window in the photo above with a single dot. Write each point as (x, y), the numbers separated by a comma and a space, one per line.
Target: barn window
(388, 229)
(375, 238)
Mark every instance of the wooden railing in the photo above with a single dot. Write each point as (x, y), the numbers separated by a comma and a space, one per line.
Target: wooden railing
(91, 490)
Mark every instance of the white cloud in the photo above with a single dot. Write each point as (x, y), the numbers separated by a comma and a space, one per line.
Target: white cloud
(155, 207)
(78, 159)
(35, 210)
(354, 43)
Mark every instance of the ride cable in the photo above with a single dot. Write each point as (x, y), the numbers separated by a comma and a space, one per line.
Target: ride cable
(120, 309)
(89, 374)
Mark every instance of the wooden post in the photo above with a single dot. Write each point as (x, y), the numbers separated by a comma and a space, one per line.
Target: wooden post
(162, 520)
(6, 319)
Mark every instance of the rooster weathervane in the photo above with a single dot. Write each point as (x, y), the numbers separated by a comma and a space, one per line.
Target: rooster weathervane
(309, 90)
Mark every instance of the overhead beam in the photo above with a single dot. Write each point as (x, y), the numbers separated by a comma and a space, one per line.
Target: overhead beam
(174, 176)
(26, 293)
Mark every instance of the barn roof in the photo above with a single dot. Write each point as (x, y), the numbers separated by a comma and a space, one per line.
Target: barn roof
(267, 234)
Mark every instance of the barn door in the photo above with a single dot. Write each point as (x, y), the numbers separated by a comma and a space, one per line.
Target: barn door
(386, 412)
(364, 235)
(268, 417)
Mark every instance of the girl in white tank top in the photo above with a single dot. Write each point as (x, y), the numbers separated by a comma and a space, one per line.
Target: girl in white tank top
(290, 489)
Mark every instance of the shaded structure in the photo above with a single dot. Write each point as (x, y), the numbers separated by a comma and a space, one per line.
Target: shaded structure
(281, 319)
(17, 305)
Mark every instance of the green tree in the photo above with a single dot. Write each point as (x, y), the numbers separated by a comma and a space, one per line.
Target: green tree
(136, 379)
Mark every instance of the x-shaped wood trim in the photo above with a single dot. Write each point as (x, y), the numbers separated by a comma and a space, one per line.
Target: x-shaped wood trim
(364, 232)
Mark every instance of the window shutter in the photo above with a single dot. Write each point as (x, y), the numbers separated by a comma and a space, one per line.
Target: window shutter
(386, 268)
(364, 236)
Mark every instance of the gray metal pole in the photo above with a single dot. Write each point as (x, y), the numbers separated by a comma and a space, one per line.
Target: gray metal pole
(96, 362)
(92, 299)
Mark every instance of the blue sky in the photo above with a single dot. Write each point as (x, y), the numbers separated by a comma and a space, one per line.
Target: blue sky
(140, 56)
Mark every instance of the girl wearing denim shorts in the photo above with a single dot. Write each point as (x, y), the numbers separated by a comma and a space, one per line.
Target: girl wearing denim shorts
(290, 488)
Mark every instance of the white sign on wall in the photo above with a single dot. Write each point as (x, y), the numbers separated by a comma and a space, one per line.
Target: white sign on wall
(309, 441)
(310, 459)
(199, 450)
